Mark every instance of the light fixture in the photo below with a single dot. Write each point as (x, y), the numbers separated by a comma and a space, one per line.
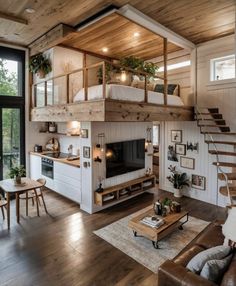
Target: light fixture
(105, 50)
(136, 34)
(30, 10)
(99, 148)
(123, 76)
(148, 140)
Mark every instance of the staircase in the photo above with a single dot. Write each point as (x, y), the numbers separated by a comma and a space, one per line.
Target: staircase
(211, 124)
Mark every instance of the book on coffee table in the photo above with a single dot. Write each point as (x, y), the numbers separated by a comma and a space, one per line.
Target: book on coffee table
(152, 221)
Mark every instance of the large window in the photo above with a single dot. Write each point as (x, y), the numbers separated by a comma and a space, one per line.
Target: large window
(223, 68)
(12, 105)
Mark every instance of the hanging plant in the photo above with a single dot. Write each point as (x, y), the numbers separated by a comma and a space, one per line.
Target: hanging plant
(40, 65)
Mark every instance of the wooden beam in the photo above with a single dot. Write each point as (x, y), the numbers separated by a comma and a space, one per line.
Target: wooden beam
(123, 111)
(165, 69)
(83, 111)
(140, 18)
(52, 38)
(13, 18)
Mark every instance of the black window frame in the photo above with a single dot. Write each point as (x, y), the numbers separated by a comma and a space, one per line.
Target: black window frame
(9, 101)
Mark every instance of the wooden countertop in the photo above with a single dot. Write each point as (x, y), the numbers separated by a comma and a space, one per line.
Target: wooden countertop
(74, 163)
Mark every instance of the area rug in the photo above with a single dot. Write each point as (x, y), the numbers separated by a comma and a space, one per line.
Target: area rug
(141, 249)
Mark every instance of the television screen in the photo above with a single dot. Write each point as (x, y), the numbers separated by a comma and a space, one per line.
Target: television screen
(124, 157)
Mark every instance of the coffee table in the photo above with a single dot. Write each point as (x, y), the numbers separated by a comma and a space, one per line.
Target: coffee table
(172, 222)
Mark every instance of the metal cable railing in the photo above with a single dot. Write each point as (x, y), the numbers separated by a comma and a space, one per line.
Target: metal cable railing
(198, 112)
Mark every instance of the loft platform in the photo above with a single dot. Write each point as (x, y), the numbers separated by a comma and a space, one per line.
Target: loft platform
(112, 111)
(107, 101)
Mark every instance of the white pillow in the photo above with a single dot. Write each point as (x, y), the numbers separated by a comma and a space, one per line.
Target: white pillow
(198, 261)
(229, 228)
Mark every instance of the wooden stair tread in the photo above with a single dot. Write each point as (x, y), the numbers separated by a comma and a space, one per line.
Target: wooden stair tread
(221, 142)
(224, 191)
(219, 133)
(212, 125)
(208, 113)
(211, 119)
(230, 176)
(214, 152)
(225, 164)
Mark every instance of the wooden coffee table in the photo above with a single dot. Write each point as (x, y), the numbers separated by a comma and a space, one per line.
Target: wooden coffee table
(172, 222)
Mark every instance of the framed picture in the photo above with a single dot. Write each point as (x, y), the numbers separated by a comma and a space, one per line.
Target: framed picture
(188, 163)
(171, 155)
(84, 133)
(180, 149)
(86, 152)
(176, 136)
(198, 182)
(191, 146)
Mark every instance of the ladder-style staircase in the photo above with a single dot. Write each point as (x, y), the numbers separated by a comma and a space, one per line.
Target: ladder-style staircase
(211, 124)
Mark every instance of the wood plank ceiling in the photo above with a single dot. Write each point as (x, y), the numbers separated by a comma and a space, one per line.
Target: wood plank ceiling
(120, 37)
(198, 21)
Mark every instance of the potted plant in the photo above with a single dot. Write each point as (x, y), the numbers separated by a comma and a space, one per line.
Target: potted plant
(40, 65)
(178, 180)
(17, 173)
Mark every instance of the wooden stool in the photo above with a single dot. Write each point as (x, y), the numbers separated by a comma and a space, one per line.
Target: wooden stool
(3, 203)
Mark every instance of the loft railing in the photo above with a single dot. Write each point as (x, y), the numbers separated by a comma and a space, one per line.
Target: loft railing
(198, 112)
(50, 81)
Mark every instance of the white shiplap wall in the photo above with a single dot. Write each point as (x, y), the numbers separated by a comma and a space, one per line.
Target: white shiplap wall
(212, 95)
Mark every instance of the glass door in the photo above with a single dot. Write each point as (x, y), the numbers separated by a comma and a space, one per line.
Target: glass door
(10, 151)
(12, 109)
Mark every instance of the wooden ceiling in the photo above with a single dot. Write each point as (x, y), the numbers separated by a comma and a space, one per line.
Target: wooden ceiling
(198, 20)
(117, 34)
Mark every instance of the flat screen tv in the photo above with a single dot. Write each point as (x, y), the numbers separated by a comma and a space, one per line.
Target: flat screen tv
(124, 157)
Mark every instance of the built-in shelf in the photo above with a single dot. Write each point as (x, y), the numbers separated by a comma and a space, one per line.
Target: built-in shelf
(59, 133)
(124, 190)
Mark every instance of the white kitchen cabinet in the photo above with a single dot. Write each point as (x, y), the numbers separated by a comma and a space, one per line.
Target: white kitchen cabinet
(35, 167)
(67, 181)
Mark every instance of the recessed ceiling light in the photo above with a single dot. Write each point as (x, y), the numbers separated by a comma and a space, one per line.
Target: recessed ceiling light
(136, 34)
(105, 50)
(30, 10)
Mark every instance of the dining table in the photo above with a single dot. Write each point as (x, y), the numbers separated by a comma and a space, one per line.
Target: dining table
(10, 187)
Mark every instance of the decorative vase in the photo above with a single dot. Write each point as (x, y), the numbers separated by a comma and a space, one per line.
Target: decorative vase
(17, 180)
(177, 193)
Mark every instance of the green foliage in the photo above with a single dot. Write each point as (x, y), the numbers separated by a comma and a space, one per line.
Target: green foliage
(40, 63)
(108, 69)
(8, 81)
(18, 171)
(179, 180)
(139, 65)
(166, 202)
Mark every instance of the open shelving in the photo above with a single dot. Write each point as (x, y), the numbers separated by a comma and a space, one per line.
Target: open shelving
(124, 190)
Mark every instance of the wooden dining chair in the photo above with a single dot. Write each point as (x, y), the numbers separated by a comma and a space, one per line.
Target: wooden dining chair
(39, 193)
(35, 195)
(3, 204)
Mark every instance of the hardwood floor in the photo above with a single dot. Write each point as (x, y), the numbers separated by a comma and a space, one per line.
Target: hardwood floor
(62, 250)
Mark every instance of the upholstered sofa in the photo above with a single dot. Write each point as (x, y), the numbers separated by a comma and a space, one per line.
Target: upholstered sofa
(174, 272)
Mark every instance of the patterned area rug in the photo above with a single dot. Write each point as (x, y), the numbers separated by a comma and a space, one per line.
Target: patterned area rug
(141, 249)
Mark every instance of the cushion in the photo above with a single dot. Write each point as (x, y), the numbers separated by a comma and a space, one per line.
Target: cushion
(186, 256)
(214, 270)
(229, 229)
(218, 252)
(141, 84)
(170, 88)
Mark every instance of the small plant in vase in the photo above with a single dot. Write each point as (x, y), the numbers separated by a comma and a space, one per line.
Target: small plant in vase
(17, 173)
(178, 180)
(40, 65)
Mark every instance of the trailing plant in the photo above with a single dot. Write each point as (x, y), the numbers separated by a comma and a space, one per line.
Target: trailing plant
(108, 69)
(18, 171)
(178, 180)
(40, 63)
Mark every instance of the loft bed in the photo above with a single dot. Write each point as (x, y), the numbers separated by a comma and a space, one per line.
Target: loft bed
(108, 101)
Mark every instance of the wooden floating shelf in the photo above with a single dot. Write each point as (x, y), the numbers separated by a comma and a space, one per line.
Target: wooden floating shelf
(128, 189)
(59, 133)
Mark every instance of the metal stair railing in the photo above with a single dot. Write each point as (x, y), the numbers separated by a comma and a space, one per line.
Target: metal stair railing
(198, 112)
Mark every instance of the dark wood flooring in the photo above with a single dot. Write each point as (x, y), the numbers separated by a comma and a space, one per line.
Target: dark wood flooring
(60, 249)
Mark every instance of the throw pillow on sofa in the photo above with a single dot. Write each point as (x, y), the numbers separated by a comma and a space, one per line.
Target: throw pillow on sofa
(214, 270)
(218, 252)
